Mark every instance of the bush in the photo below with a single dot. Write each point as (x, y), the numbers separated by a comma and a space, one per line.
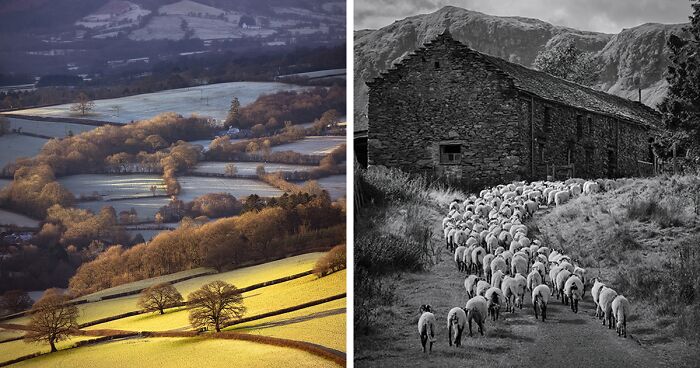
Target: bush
(333, 261)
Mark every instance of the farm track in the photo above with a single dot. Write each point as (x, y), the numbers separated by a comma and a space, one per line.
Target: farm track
(515, 340)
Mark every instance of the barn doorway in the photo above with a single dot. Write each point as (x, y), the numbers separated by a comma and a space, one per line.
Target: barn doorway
(360, 145)
(612, 164)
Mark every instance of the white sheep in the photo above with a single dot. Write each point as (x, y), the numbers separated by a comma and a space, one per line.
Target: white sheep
(495, 298)
(607, 295)
(499, 264)
(533, 279)
(520, 286)
(595, 293)
(540, 298)
(561, 278)
(477, 308)
(518, 265)
(581, 273)
(426, 326)
(553, 278)
(509, 287)
(481, 287)
(456, 321)
(486, 266)
(573, 289)
(497, 278)
(477, 259)
(459, 257)
(620, 310)
(470, 285)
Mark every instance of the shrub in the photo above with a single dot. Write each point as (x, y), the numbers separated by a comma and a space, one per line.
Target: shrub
(333, 261)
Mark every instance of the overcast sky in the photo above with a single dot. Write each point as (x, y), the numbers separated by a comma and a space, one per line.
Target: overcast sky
(609, 16)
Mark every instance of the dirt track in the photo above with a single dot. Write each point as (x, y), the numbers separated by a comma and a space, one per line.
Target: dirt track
(566, 339)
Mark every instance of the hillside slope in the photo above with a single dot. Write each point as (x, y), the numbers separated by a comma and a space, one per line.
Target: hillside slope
(632, 59)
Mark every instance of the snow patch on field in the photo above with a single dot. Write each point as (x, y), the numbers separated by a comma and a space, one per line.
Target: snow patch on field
(187, 7)
(11, 218)
(314, 145)
(113, 186)
(114, 15)
(193, 186)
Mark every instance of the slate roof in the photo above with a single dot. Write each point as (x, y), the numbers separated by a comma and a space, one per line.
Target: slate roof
(549, 87)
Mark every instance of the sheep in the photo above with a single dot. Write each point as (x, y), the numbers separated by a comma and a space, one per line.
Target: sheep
(595, 293)
(470, 284)
(495, 297)
(540, 268)
(533, 280)
(486, 266)
(478, 258)
(426, 326)
(499, 264)
(607, 295)
(573, 289)
(518, 265)
(561, 278)
(497, 278)
(620, 310)
(553, 278)
(481, 287)
(520, 285)
(456, 321)
(580, 272)
(459, 257)
(491, 243)
(509, 287)
(540, 297)
(477, 308)
(566, 265)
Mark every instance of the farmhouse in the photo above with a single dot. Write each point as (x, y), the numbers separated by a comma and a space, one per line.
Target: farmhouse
(452, 112)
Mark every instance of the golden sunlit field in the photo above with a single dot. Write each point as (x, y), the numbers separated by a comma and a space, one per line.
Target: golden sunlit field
(179, 352)
(15, 349)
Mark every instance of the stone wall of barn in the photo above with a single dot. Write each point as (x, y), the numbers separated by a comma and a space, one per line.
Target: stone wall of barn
(583, 144)
(430, 101)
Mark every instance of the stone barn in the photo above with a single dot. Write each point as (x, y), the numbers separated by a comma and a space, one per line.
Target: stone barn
(452, 112)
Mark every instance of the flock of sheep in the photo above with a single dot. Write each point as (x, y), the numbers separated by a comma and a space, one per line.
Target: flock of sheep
(491, 244)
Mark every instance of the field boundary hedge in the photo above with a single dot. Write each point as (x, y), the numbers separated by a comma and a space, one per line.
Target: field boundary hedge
(46, 119)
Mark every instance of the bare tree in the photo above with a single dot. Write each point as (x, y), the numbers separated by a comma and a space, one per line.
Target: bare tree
(215, 304)
(14, 301)
(83, 104)
(159, 297)
(154, 189)
(230, 169)
(52, 319)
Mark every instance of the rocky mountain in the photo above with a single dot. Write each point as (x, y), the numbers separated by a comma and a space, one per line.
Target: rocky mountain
(631, 60)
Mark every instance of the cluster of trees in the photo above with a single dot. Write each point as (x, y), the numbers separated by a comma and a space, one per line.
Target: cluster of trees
(333, 261)
(105, 149)
(270, 112)
(568, 62)
(222, 149)
(210, 205)
(254, 236)
(331, 164)
(13, 301)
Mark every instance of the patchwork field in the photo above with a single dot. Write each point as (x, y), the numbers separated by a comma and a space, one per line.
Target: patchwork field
(14, 146)
(146, 208)
(334, 184)
(48, 128)
(314, 145)
(248, 168)
(267, 299)
(193, 186)
(327, 320)
(211, 100)
(179, 352)
(11, 218)
(113, 186)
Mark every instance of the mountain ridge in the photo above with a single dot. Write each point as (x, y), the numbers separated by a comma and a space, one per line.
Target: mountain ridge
(630, 60)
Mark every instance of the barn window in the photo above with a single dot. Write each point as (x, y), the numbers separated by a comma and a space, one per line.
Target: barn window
(590, 126)
(547, 120)
(437, 65)
(579, 126)
(450, 153)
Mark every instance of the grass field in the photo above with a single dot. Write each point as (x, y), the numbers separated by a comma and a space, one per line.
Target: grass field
(9, 334)
(11, 218)
(48, 128)
(312, 145)
(113, 186)
(322, 324)
(248, 168)
(211, 100)
(181, 353)
(258, 301)
(194, 186)
(15, 349)
(14, 146)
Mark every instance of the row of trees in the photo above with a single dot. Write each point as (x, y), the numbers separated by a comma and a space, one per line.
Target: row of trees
(226, 243)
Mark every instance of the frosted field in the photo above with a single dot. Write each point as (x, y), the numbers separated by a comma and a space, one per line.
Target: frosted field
(248, 168)
(113, 186)
(206, 142)
(315, 145)
(193, 186)
(14, 146)
(11, 218)
(211, 100)
(48, 128)
(334, 184)
(5, 182)
(146, 208)
(318, 73)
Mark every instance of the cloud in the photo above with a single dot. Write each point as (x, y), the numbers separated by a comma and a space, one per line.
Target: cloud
(609, 16)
